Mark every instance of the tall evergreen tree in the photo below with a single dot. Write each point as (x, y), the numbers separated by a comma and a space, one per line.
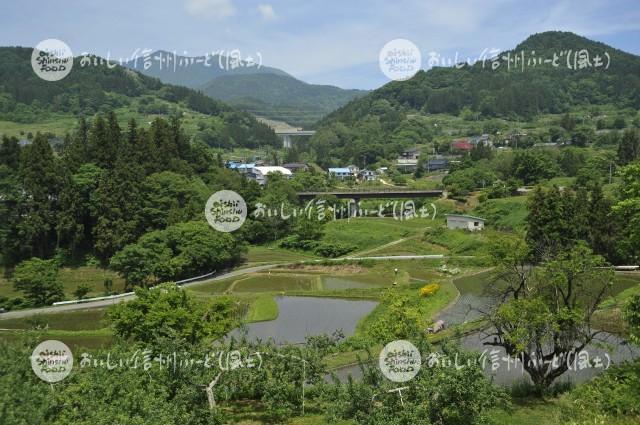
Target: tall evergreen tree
(10, 152)
(34, 234)
(76, 152)
(76, 219)
(119, 200)
(98, 142)
(602, 225)
(164, 144)
(629, 147)
(546, 222)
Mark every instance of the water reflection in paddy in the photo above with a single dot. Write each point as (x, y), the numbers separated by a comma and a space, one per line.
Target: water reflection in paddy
(299, 317)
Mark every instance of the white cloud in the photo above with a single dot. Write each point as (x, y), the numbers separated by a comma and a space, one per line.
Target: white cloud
(267, 12)
(211, 9)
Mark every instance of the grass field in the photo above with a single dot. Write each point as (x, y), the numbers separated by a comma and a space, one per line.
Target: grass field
(80, 320)
(270, 254)
(263, 307)
(460, 242)
(413, 246)
(505, 213)
(71, 278)
(368, 232)
(60, 123)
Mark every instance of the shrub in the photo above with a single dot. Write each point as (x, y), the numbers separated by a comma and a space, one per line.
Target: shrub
(294, 242)
(332, 250)
(429, 290)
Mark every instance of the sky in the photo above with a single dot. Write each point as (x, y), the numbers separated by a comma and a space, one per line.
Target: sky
(319, 41)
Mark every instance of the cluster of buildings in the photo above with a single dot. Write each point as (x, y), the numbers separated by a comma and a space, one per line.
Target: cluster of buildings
(354, 173)
(465, 145)
(260, 173)
(407, 162)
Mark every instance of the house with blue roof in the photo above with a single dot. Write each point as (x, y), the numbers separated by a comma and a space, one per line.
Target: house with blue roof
(343, 173)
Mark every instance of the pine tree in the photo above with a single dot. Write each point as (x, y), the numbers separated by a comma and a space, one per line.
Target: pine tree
(546, 222)
(10, 152)
(629, 147)
(602, 225)
(163, 143)
(40, 178)
(114, 135)
(98, 142)
(119, 199)
(76, 219)
(77, 151)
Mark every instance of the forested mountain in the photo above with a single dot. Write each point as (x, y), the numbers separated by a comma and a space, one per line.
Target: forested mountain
(367, 127)
(195, 71)
(279, 97)
(97, 87)
(261, 90)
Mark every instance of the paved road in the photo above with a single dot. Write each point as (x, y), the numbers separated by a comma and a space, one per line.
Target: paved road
(18, 314)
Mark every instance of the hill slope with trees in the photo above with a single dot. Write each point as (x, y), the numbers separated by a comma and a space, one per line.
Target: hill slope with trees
(93, 87)
(376, 126)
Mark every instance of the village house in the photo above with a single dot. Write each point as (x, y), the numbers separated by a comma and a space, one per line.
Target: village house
(260, 174)
(413, 153)
(295, 167)
(468, 222)
(343, 173)
(406, 165)
(437, 164)
(480, 140)
(367, 176)
(461, 146)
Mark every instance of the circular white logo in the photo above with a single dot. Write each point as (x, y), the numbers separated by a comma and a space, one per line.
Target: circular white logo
(52, 60)
(226, 211)
(400, 59)
(400, 361)
(52, 361)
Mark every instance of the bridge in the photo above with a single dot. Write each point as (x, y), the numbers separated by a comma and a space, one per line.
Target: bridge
(286, 135)
(372, 194)
(357, 195)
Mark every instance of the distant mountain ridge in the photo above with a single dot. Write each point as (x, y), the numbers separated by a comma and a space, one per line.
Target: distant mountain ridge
(261, 90)
(195, 71)
(279, 97)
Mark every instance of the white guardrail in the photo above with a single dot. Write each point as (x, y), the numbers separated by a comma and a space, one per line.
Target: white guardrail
(126, 294)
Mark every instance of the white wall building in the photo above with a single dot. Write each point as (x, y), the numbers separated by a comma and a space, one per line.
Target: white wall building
(468, 222)
(260, 174)
(368, 175)
(340, 173)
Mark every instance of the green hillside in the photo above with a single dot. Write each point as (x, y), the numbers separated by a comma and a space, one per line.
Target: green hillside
(387, 120)
(30, 104)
